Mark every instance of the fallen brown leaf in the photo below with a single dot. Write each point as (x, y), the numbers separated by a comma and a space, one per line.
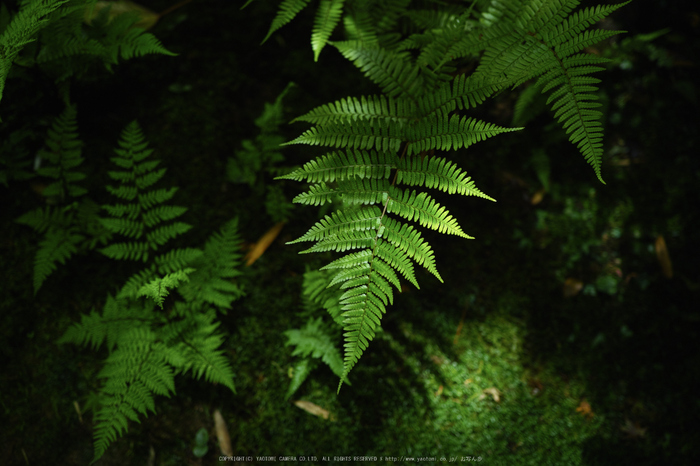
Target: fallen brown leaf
(263, 243)
(77, 410)
(312, 408)
(633, 429)
(663, 257)
(572, 287)
(585, 409)
(222, 434)
(538, 196)
(493, 391)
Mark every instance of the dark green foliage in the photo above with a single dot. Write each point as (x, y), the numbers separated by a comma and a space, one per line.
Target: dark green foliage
(261, 156)
(144, 215)
(147, 349)
(212, 282)
(67, 227)
(388, 142)
(67, 46)
(63, 154)
(21, 29)
(316, 339)
(147, 345)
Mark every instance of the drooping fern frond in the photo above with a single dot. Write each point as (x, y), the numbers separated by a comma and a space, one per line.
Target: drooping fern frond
(543, 41)
(386, 145)
(287, 11)
(327, 18)
(143, 218)
(328, 15)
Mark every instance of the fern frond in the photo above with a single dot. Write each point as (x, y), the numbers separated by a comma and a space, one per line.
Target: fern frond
(362, 315)
(359, 24)
(118, 316)
(392, 71)
(135, 370)
(318, 194)
(409, 240)
(57, 246)
(343, 165)
(437, 173)
(361, 134)
(364, 108)
(343, 221)
(22, 30)
(147, 216)
(316, 291)
(313, 340)
(158, 288)
(136, 42)
(344, 242)
(424, 209)
(213, 282)
(543, 42)
(453, 133)
(327, 18)
(63, 156)
(398, 259)
(200, 353)
(387, 141)
(388, 13)
(127, 251)
(287, 11)
(170, 262)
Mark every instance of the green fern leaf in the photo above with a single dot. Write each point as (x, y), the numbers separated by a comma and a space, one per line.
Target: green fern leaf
(453, 133)
(340, 165)
(376, 134)
(390, 70)
(437, 173)
(327, 18)
(145, 219)
(287, 11)
(425, 210)
(135, 370)
(213, 282)
(314, 341)
(342, 221)
(158, 288)
(22, 30)
(364, 108)
(57, 246)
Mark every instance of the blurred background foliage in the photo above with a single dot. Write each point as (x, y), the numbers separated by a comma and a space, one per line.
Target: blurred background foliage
(563, 334)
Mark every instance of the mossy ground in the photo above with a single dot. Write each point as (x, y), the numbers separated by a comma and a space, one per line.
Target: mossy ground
(494, 363)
